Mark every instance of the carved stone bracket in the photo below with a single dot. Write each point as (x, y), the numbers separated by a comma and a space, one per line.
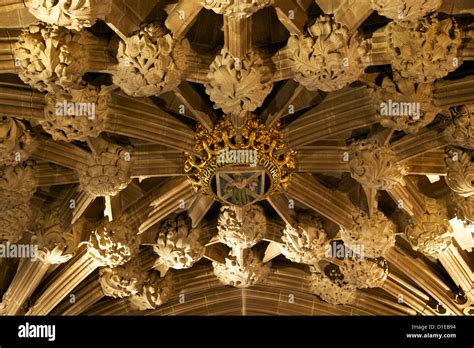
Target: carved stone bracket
(238, 86)
(327, 58)
(424, 50)
(241, 227)
(305, 242)
(150, 62)
(375, 234)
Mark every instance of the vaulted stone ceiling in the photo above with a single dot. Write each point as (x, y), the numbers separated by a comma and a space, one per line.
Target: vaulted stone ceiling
(141, 203)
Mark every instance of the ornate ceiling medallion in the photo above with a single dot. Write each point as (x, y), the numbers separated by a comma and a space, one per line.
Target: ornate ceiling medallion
(240, 169)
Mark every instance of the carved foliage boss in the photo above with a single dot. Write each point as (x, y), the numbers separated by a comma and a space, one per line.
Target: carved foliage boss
(238, 8)
(306, 241)
(177, 244)
(424, 50)
(237, 85)
(328, 58)
(72, 14)
(15, 142)
(375, 166)
(51, 56)
(107, 172)
(405, 10)
(405, 91)
(70, 127)
(241, 226)
(150, 62)
(376, 233)
(241, 271)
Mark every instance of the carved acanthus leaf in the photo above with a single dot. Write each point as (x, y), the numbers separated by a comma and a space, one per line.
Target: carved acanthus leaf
(359, 274)
(122, 281)
(406, 96)
(113, 243)
(375, 234)
(460, 172)
(463, 207)
(14, 221)
(306, 242)
(241, 272)
(432, 233)
(177, 243)
(75, 114)
(424, 50)
(72, 14)
(330, 291)
(155, 292)
(150, 62)
(328, 58)
(375, 166)
(17, 185)
(15, 141)
(405, 10)
(52, 57)
(237, 8)
(55, 244)
(461, 129)
(238, 86)
(107, 172)
(241, 226)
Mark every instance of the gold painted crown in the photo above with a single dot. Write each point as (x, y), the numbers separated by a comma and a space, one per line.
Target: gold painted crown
(272, 154)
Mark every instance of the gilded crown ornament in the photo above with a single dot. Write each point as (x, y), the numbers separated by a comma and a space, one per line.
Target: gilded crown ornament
(239, 168)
